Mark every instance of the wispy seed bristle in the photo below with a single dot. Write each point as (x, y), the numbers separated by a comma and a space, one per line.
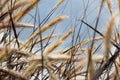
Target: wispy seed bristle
(108, 35)
(57, 43)
(59, 3)
(47, 26)
(109, 5)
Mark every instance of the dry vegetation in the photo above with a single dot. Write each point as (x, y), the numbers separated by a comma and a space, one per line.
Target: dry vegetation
(20, 61)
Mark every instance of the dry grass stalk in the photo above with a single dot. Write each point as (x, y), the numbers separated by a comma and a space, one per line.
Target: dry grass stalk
(46, 38)
(83, 43)
(19, 4)
(108, 35)
(49, 67)
(3, 3)
(119, 6)
(13, 73)
(16, 6)
(102, 2)
(57, 43)
(109, 4)
(53, 76)
(58, 57)
(19, 63)
(3, 54)
(97, 58)
(47, 26)
(17, 25)
(41, 40)
(59, 3)
(31, 68)
(91, 69)
(10, 51)
(35, 58)
(83, 62)
(49, 58)
(2, 30)
(20, 15)
(12, 41)
(24, 25)
(23, 53)
(51, 61)
(115, 75)
(116, 37)
(78, 73)
(89, 40)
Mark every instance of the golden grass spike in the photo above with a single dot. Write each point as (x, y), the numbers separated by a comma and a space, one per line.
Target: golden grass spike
(83, 43)
(23, 12)
(109, 4)
(31, 68)
(53, 22)
(45, 38)
(58, 56)
(108, 35)
(13, 73)
(2, 54)
(97, 58)
(47, 26)
(16, 6)
(79, 75)
(3, 3)
(89, 40)
(115, 72)
(91, 69)
(19, 4)
(57, 43)
(119, 6)
(83, 62)
(59, 3)
(17, 25)
(3, 30)
(40, 40)
(24, 25)
(53, 76)
(116, 37)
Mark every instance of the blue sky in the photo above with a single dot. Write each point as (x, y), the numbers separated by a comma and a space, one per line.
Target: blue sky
(74, 9)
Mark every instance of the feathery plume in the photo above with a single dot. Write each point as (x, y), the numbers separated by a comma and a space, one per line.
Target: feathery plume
(31, 68)
(57, 43)
(13, 73)
(20, 15)
(47, 26)
(108, 35)
(2, 54)
(45, 38)
(17, 25)
(3, 3)
(16, 6)
(59, 3)
(109, 4)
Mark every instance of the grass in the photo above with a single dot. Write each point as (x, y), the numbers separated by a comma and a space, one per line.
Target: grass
(90, 57)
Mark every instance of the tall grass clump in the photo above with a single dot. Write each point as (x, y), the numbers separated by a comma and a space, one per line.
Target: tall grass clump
(59, 44)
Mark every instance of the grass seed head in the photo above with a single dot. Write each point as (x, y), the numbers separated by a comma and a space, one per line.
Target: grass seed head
(47, 26)
(108, 35)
